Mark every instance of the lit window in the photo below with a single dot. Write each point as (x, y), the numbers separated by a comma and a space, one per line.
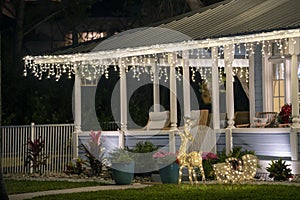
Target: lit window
(84, 37)
(278, 86)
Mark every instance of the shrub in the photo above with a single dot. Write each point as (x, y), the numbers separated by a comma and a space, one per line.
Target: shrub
(94, 152)
(119, 155)
(36, 158)
(143, 147)
(236, 152)
(75, 168)
(208, 160)
(279, 170)
(143, 156)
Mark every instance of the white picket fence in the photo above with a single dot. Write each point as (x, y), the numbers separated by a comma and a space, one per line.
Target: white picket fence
(58, 146)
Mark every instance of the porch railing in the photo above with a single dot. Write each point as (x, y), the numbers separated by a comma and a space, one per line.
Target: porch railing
(58, 146)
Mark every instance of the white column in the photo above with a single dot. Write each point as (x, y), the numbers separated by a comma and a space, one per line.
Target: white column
(123, 95)
(288, 80)
(77, 113)
(173, 97)
(294, 49)
(186, 85)
(267, 84)
(77, 102)
(215, 89)
(251, 88)
(156, 101)
(228, 58)
(215, 97)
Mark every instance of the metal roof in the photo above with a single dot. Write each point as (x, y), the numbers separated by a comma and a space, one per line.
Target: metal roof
(144, 36)
(79, 48)
(238, 17)
(227, 18)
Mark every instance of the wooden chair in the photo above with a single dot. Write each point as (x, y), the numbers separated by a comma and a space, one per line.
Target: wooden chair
(242, 119)
(261, 120)
(268, 119)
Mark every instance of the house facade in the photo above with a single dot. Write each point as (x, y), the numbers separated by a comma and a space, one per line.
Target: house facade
(258, 42)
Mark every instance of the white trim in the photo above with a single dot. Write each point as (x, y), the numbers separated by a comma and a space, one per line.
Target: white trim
(208, 62)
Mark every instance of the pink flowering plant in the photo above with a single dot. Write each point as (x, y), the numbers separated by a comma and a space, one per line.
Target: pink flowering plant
(208, 160)
(94, 152)
(285, 114)
(36, 158)
(163, 157)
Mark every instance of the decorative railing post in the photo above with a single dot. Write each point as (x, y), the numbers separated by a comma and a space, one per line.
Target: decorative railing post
(228, 139)
(172, 141)
(294, 142)
(75, 142)
(121, 139)
(32, 136)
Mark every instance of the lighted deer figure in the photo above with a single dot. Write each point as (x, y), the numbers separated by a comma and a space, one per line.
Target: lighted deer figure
(189, 160)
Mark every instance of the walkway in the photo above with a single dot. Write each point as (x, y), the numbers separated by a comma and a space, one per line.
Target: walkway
(74, 190)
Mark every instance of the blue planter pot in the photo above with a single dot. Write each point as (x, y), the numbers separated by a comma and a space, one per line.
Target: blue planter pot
(169, 173)
(122, 173)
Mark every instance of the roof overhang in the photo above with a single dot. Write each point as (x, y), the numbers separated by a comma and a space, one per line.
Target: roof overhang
(94, 64)
(162, 48)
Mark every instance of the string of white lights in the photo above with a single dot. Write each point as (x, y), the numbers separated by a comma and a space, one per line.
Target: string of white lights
(93, 64)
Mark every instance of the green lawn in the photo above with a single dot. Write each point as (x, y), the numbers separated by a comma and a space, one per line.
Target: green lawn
(161, 191)
(25, 186)
(192, 192)
(185, 191)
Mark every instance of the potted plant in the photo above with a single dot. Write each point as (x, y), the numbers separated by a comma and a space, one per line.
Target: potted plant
(285, 114)
(122, 166)
(143, 157)
(279, 170)
(168, 166)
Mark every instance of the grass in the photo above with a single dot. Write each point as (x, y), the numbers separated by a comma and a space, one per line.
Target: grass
(25, 186)
(169, 191)
(160, 191)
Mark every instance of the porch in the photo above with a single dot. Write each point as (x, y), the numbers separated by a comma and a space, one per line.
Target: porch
(263, 54)
(268, 143)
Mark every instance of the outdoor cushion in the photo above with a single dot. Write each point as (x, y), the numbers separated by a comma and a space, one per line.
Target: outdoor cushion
(157, 120)
(155, 125)
(259, 121)
(158, 116)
